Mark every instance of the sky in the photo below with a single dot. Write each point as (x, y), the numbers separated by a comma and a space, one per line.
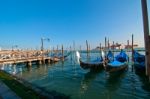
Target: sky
(25, 22)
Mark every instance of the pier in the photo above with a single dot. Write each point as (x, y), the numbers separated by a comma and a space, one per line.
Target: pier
(27, 57)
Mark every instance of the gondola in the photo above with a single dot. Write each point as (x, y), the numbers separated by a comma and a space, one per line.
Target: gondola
(110, 56)
(119, 63)
(60, 56)
(93, 65)
(139, 61)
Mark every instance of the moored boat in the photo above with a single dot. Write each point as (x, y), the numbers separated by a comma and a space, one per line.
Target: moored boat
(93, 65)
(60, 56)
(139, 61)
(96, 64)
(119, 63)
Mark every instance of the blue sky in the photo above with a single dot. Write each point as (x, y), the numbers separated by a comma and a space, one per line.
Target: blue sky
(24, 22)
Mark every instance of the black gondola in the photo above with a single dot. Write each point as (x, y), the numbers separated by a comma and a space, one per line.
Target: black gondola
(93, 65)
(139, 61)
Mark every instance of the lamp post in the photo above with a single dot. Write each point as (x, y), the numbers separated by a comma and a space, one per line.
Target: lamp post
(42, 42)
(14, 46)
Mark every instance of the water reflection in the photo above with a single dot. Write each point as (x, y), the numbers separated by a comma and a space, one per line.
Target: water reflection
(75, 71)
(87, 80)
(73, 62)
(113, 83)
(12, 69)
(2, 66)
(32, 72)
(29, 68)
(113, 80)
(62, 65)
(144, 80)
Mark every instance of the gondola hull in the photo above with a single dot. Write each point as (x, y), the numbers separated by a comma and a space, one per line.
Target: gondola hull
(118, 64)
(92, 66)
(139, 67)
(112, 68)
(139, 62)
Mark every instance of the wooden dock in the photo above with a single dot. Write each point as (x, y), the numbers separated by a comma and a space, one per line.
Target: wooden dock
(27, 57)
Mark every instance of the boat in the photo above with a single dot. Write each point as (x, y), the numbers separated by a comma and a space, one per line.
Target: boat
(93, 65)
(139, 61)
(119, 63)
(87, 80)
(96, 64)
(60, 56)
(110, 56)
(54, 59)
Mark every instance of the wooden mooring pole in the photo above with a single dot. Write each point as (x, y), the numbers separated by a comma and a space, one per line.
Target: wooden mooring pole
(146, 36)
(113, 50)
(62, 52)
(87, 46)
(42, 48)
(89, 50)
(128, 45)
(57, 50)
(105, 47)
(128, 48)
(108, 43)
(132, 52)
(100, 49)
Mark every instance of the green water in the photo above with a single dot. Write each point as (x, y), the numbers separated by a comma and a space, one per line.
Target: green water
(70, 79)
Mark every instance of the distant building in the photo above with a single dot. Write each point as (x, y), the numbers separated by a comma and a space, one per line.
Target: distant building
(130, 46)
(116, 46)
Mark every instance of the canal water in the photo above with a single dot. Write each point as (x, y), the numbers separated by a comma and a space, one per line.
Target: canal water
(69, 78)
